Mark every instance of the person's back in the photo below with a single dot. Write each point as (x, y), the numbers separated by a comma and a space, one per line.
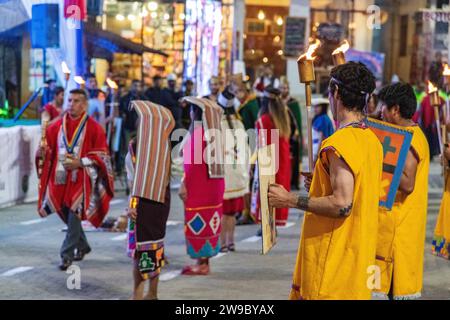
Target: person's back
(349, 243)
(401, 232)
(339, 234)
(96, 110)
(408, 216)
(154, 94)
(248, 111)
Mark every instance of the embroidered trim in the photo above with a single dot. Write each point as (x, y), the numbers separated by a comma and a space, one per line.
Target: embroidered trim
(204, 208)
(133, 202)
(76, 135)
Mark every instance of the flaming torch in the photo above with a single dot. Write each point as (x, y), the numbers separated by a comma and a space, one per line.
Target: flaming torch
(339, 54)
(113, 87)
(80, 81)
(306, 72)
(436, 103)
(446, 74)
(66, 71)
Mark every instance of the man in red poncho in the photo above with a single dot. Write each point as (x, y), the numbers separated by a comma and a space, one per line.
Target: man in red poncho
(76, 180)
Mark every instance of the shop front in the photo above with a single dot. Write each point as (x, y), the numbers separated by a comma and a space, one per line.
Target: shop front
(197, 36)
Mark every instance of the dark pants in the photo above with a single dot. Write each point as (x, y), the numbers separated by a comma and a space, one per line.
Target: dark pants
(75, 237)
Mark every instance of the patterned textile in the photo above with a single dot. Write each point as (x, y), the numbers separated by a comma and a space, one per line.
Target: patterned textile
(86, 191)
(396, 142)
(146, 235)
(212, 116)
(153, 150)
(203, 226)
(203, 205)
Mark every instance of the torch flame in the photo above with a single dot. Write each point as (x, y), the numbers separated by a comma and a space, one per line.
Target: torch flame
(311, 49)
(111, 84)
(431, 87)
(342, 48)
(446, 71)
(79, 80)
(65, 68)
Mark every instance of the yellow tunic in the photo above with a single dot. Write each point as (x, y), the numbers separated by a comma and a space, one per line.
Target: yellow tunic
(441, 240)
(401, 233)
(335, 254)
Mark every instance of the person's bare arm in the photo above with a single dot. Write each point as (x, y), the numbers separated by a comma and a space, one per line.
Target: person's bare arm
(447, 151)
(408, 179)
(45, 116)
(338, 204)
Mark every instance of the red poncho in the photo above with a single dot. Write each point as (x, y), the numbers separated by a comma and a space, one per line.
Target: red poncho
(90, 189)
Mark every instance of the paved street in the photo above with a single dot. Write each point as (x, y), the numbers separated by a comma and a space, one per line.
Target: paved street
(29, 249)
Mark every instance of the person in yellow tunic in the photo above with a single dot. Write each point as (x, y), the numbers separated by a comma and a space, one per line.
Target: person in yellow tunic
(401, 231)
(338, 241)
(441, 239)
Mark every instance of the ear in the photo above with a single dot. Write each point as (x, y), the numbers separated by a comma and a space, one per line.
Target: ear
(336, 93)
(396, 109)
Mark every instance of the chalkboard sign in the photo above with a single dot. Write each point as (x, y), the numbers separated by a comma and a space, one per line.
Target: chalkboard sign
(294, 36)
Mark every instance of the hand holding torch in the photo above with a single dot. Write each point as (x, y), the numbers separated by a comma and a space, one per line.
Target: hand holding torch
(80, 81)
(113, 87)
(43, 144)
(306, 72)
(66, 71)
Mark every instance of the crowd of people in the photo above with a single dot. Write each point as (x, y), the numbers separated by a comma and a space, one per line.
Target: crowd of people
(345, 231)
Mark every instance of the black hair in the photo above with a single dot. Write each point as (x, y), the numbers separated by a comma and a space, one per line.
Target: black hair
(354, 82)
(401, 94)
(58, 90)
(89, 75)
(79, 91)
(228, 111)
(50, 81)
(135, 80)
(198, 114)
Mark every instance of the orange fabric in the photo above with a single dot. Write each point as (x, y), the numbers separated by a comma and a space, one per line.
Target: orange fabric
(335, 254)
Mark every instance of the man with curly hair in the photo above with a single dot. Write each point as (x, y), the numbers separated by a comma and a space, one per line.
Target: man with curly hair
(338, 241)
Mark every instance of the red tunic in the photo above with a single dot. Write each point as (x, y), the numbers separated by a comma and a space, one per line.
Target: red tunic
(74, 194)
(282, 161)
(52, 111)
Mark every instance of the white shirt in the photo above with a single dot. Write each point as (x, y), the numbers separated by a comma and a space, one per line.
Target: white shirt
(267, 81)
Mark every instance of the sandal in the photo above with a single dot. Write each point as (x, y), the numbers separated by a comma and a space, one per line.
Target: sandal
(231, 247)
(196, 270)
(224, 249)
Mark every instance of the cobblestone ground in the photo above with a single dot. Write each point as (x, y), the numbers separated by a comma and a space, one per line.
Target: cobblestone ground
(29, 249)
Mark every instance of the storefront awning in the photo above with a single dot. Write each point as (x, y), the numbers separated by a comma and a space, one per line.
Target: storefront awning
(103, 44)
(12, 14)
(14, 35)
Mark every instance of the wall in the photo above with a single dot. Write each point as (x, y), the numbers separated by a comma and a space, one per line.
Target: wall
(403, 66)
(18, 178)
(264, 43)
(394, 63)
(299, 8)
